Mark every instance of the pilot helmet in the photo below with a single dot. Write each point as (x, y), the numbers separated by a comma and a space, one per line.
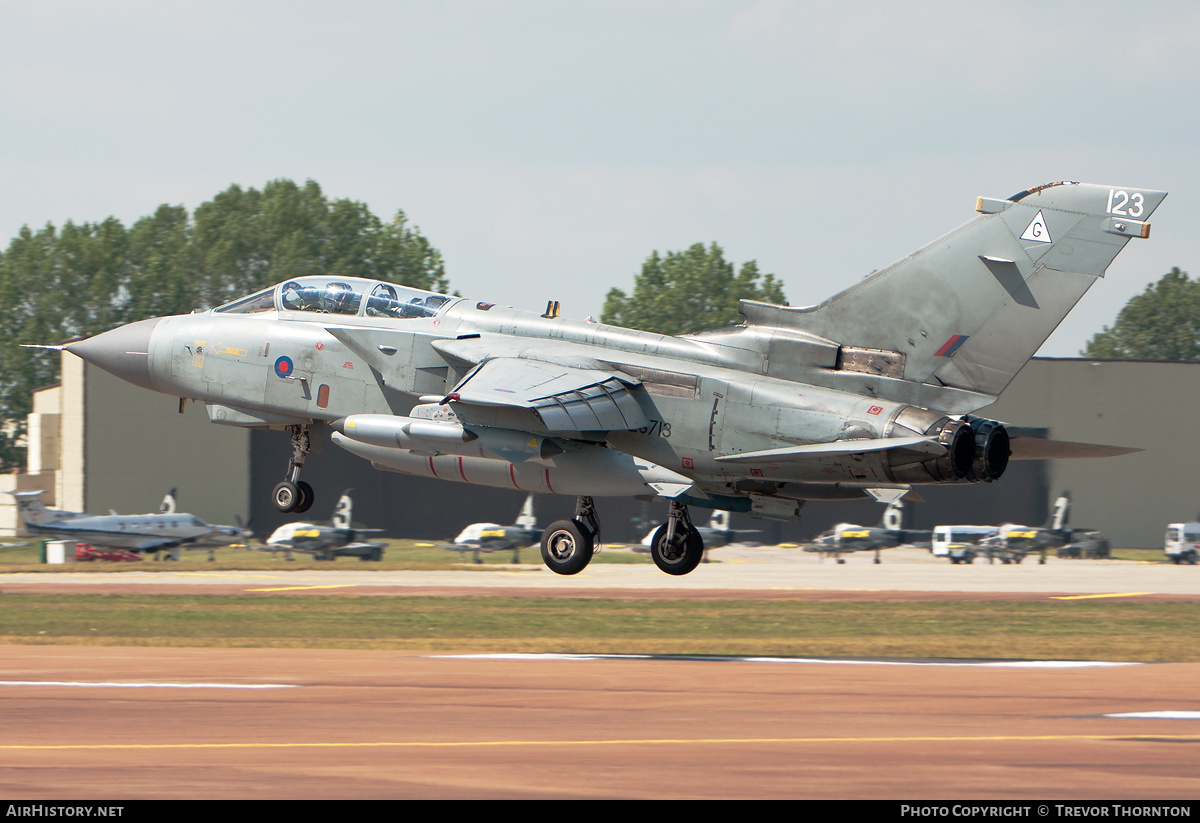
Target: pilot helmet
(338, 298)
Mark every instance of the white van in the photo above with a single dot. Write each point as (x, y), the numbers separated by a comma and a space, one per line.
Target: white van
(960, 543)
(1183, 543)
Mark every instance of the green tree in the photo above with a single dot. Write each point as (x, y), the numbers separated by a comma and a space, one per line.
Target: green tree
(247, 239)
(57, 285)
(1161, 323)
(688, 291)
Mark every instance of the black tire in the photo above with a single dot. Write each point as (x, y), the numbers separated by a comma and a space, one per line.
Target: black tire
(682, 558)
(286, 497)
(567, 547)
(307, 496)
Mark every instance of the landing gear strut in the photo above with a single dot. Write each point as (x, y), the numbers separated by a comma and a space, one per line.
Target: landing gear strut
(568, 545)
(677, 547)
(293, 494)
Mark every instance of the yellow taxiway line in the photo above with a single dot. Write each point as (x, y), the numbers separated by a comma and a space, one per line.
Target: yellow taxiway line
(624, 742)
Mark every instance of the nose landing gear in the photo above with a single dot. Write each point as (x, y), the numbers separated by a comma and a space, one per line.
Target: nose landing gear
(293, 494)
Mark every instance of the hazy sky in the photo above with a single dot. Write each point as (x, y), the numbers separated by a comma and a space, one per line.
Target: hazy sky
(548, 147)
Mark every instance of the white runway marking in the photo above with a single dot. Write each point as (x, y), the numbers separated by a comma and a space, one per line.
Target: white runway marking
(1002, 664)
(1173, 715)
(120, 685)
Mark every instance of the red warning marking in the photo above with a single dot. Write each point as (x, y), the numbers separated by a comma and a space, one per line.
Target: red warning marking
(432, 470)
(512, 475)
(687, 463)
(551, 488)
(461, 473)
(756, 473)
(875, 410)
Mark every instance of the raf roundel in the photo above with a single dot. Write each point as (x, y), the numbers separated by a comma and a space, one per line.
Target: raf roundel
(283, 367)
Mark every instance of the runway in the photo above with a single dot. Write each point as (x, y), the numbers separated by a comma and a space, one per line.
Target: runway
(735, 569)
(351, 724)
(111, 723)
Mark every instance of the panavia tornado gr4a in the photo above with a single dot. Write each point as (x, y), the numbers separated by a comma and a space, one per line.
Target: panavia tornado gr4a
(875, 388)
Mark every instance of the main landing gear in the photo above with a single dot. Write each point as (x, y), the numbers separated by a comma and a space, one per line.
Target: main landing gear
(293, 494)
(568, 545)
(677, 547)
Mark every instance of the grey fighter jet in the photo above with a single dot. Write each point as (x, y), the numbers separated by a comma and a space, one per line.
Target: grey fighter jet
(1012, 541)
(492, 537)
(134, 532)
(876, 387)
(338, 539)
(846, 538)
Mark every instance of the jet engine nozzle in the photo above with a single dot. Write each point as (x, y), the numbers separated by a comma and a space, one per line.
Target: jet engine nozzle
(976, 449)
(960, 448)
(991, 450)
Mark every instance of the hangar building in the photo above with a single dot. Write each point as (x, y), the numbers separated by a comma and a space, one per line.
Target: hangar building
(99, 444)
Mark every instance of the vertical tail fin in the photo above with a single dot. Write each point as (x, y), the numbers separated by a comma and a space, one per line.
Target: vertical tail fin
(969, 309)
(342, 514)
(526, 519)
(1062, 510)
(719, 520)
(31, 508)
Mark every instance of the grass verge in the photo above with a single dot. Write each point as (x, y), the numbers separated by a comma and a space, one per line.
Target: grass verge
(943, 629)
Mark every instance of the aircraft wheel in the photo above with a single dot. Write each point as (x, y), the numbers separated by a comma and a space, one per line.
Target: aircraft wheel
(307, 496)
(286, 497)
(567, 547)
(680, 557)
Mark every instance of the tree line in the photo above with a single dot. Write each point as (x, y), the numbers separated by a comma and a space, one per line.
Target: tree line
(60, 284)
(83, 279)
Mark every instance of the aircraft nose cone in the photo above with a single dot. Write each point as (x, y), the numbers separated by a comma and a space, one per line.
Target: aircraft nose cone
(124, 351)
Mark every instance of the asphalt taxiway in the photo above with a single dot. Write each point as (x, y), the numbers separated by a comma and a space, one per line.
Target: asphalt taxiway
(757, 568)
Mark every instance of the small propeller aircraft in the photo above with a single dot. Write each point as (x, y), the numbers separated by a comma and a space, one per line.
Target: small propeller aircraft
(338, 539)
(876, 387)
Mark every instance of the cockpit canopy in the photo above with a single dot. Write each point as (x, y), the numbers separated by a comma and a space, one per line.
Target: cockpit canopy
(351, 296)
